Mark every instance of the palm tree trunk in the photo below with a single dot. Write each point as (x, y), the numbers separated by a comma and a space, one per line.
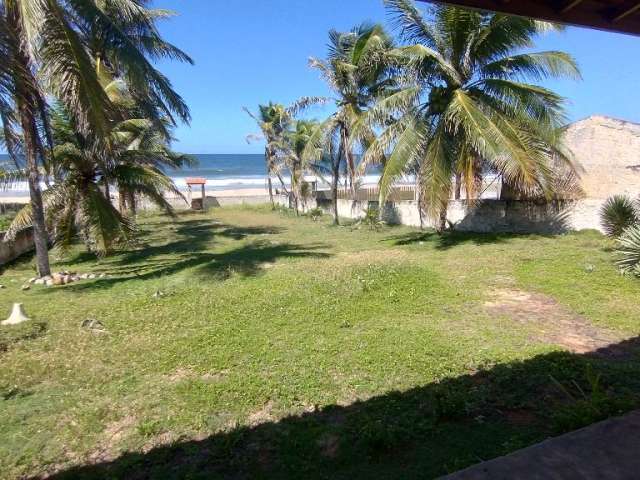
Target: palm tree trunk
(27, 106)
(458, 186)
(344, 138)
(442, 220)
(107, 190)
(420, 209)
(40, 236)
(295, 187)
(267, 156)
(131, 200)
(273, 204)
(334, 189)
(122, 200)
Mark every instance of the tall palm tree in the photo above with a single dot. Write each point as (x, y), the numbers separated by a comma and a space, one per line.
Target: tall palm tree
(292, 151)
(471, 107)
(55, 39)
(274, 119)
(76, 202)
(358, 73)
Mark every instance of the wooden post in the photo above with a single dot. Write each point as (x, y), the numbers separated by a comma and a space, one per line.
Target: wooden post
(203, 196)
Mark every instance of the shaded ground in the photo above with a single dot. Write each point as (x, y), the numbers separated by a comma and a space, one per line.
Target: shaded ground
(250, 344)
(419, 433)
(605, 451)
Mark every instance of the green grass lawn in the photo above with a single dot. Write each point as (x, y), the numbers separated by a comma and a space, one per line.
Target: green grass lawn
(279, 347)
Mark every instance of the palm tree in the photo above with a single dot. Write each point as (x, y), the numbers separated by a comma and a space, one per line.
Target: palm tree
(469, 109)
(274, 119)
(295, 143)
(358, 73)
(76, 203)
(56, 39)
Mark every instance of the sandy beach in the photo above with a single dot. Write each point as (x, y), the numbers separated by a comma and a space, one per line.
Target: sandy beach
(23, 197)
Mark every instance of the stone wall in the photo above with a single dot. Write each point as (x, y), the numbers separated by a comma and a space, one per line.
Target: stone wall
(23, 243)
(608, 152)
(487, 216)
(215, 201)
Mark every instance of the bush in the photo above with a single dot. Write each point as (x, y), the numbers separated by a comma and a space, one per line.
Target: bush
(628, 251)
(371, 218)
(617, 214)
(315, 214)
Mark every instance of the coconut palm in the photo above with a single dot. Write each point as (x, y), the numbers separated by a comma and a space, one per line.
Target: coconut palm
(76, 202)
(58, 40)
(292, 152)
(470, 108)
(274, 119)
(358, 73)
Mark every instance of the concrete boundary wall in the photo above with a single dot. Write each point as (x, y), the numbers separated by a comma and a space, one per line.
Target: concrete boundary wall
(23, 243)
(487, 216)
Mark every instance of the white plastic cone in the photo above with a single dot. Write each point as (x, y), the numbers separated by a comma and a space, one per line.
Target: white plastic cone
(17, 315)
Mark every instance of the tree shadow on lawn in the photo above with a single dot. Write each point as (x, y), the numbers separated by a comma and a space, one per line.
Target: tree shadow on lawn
(190, 235)
(452, 239)
(246, 260)
(187, 249)
(424, 432)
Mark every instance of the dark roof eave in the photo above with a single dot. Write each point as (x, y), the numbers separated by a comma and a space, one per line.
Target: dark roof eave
(621, 16)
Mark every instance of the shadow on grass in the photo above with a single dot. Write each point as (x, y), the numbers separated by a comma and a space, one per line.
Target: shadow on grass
(189, 248)
(13, 335)
(452, 239)
(419, 433)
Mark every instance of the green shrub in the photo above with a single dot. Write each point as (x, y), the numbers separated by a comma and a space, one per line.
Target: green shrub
(628, 251)
(371, 218)
(618, 213)
(315, 214)
(588, 403)
(5, 220)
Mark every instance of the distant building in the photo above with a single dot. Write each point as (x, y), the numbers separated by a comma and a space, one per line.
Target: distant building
(608, 152)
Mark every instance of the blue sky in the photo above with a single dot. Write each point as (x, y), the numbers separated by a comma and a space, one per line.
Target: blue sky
(251, 51)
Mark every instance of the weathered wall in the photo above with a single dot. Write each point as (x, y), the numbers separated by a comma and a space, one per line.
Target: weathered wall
(608, 150)
(211, 200)
(214, 201)
(488, 215)
(11, 250)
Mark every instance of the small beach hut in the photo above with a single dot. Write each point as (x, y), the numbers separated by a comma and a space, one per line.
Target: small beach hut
(196, 204)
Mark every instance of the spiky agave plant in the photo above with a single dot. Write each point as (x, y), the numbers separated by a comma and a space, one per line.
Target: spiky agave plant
(628, 251)
(617, 214)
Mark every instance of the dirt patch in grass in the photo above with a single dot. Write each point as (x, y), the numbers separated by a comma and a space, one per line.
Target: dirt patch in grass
(261, 416)
(552, 322)
(180, 374)
(372, 256)
(112, 436)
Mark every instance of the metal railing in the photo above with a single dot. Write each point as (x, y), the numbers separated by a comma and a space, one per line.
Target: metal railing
(370, 194)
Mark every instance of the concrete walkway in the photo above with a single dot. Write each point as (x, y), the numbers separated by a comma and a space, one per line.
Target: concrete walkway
(608, 450)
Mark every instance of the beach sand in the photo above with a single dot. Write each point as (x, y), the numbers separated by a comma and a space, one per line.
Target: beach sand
(21, 197)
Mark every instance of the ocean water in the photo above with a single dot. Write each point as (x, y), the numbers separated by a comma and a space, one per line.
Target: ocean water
(222, 171)
(225, 171)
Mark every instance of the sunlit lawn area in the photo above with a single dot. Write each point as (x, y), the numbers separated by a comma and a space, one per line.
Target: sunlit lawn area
(247, 343)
